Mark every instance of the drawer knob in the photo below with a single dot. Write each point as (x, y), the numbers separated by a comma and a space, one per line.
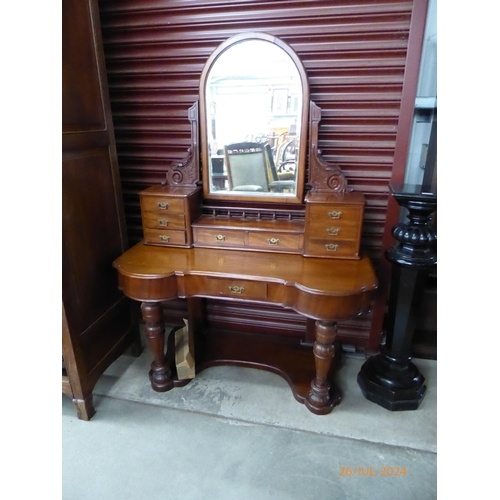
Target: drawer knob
(273, 241)
(332, 247)
(162, 205)
(163, 222)
(235, 289)
(164, 237)
(333, 231)
(334, 214)
(220, 237)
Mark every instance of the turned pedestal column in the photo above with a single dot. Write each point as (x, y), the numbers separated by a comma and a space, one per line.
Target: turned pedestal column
(160, 374)
(390, 378)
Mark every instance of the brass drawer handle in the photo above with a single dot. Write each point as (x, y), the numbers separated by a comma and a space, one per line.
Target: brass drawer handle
(332, 247)
(334, 214)
(235, 289)
(163, 222)
(333, 231)
(164, 237)
(162, 205)
(273, 241)
(220, 237)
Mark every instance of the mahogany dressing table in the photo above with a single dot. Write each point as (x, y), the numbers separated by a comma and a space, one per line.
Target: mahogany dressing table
(251, 242)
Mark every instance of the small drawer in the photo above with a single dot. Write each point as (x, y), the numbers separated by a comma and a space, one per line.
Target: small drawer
(159, 237)
(332, 248)
(164, 221)
(162, 204)
(239, 289)
(333, 230)
(331, 215)
(218, 237)
(274, 241)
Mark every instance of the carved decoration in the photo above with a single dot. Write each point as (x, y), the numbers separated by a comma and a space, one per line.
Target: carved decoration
(323, 176)
(187, 172)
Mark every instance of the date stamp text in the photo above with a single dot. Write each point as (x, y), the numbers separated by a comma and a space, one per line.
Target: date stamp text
(372, 471)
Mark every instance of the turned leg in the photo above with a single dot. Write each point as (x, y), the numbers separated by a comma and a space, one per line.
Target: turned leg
(320, 399)
(159, 375)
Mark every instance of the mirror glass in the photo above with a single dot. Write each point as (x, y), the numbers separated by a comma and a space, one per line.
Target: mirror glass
(253, 100)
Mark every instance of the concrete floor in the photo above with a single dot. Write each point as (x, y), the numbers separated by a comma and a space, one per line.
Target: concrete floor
(238, 433)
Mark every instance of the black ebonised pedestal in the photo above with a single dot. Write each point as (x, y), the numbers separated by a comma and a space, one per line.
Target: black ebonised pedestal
(390, 379)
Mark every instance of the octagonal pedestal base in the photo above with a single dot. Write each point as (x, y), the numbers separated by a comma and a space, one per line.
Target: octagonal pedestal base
(390, 383)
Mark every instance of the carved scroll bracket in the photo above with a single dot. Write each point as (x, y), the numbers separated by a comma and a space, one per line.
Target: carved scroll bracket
(324, 177)
(186, 173)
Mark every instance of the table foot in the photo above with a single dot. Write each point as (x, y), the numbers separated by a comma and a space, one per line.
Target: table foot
(325, 403)
(391, 383)
(322, 397)
(84, 407)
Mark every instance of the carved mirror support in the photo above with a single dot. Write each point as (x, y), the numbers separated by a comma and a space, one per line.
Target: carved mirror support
(186, 173)
(324, 177)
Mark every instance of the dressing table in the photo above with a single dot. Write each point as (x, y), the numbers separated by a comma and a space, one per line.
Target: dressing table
(225, 224)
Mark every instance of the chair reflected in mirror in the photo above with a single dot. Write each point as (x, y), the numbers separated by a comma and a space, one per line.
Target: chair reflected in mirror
(246, 167)
(251, 168)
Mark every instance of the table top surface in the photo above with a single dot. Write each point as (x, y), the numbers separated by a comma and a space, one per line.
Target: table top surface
(337, 277)
(414, 190)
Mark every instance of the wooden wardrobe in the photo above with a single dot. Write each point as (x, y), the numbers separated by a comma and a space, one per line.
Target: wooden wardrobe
(97, 323)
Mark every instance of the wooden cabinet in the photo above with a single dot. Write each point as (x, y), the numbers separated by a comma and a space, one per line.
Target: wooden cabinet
(97, 324)
(167, 214)
(334, 225)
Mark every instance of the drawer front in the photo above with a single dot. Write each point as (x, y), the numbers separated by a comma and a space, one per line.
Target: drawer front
(218, 237)
(334, 216)
(332, 248)
(274, 241)
(164, 221)
(239, 289)
(159, 237)
(334, 231)
(162, 204)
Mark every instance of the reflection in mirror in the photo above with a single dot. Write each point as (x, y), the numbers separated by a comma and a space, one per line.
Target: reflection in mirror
(253, 99)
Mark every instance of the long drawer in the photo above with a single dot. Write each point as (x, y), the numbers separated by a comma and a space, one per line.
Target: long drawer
(236, 288)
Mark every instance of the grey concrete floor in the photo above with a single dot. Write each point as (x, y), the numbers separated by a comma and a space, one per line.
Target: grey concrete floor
(238, 433)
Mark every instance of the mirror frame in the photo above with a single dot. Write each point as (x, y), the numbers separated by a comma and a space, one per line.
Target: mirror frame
(303, 138)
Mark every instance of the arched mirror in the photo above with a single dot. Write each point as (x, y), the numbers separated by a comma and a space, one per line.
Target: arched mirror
(254, 104)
